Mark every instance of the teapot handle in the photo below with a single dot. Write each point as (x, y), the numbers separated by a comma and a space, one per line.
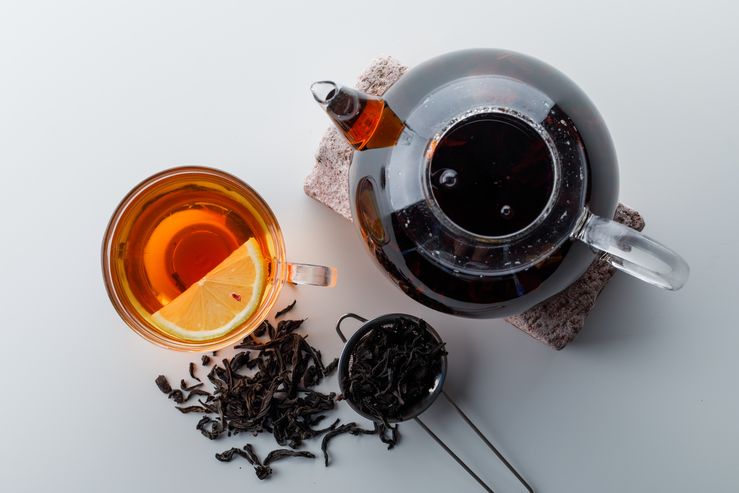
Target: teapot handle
(634, 253)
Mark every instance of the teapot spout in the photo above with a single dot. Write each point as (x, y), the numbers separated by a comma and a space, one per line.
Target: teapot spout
(324, 91)
(364, 120)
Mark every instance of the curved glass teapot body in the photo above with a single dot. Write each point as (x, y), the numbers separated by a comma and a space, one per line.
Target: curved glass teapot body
(474, 178)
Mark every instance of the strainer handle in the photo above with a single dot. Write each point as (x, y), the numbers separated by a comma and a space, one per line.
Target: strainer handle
(454, 456)
(482, 437)
(344, 317)
(488, 443)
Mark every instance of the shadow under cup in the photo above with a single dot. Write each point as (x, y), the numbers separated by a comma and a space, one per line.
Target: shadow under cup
(177, 226)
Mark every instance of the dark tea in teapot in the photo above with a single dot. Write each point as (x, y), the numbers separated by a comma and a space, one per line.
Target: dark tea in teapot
(491, 174)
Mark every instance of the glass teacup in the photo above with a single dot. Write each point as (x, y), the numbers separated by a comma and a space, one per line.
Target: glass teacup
(194, 259)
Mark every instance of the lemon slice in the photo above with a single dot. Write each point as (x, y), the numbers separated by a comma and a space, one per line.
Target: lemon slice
(220, 301)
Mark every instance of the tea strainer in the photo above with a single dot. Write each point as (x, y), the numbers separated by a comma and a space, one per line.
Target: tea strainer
(345, 369)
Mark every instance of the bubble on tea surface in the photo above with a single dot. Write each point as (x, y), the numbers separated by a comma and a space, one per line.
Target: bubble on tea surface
(506, 211)
(448, 178)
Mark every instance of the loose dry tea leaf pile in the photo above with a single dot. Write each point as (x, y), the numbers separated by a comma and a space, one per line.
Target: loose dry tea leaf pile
(267, 387)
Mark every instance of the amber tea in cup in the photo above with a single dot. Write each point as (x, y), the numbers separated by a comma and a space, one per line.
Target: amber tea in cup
(194, 259)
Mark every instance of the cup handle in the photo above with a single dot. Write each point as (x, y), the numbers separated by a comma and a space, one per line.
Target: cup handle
(313, 275)
(634, 253)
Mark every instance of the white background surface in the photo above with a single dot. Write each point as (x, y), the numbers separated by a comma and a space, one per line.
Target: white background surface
(95, 96)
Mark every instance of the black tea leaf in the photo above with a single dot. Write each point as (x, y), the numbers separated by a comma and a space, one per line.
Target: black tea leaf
(286, 309)
(163, 384)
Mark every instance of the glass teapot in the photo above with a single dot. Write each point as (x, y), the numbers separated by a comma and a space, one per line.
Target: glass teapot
(483, 183)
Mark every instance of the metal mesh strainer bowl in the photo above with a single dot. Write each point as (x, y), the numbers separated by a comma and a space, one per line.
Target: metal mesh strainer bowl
(346, 361)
